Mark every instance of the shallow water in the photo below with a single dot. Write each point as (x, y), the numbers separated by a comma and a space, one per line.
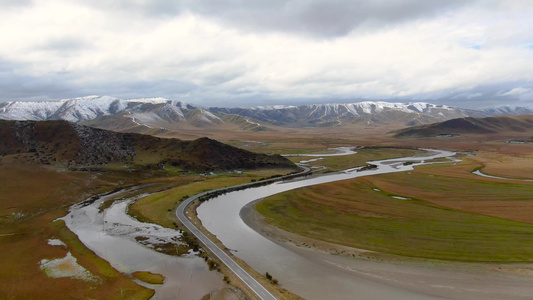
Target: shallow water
(339, 151)
(306, 277)
(111, 235)
(478, 172)
(318, 275)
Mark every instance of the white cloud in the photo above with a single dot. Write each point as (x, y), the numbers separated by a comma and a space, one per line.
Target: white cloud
(114, 47)
(517, 91)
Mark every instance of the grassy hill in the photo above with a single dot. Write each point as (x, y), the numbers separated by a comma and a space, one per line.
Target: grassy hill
(490, 125)
(77, 146)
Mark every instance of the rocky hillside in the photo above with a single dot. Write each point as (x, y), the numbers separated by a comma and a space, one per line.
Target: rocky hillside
(462, 126)
(77, 146)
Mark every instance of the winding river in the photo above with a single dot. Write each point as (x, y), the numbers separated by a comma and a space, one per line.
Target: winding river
(315, 275)
(113, 235)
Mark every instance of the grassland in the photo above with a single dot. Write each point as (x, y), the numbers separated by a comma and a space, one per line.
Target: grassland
(149, 277)
(337, 163)
(32, 198)
(159, 207)
(450, 214)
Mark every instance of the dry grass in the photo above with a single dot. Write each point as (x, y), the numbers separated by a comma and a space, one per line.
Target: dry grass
(31, 189)
(436, 223)
(456, 187)
(505, 165)
(149, 277)
(42, 195)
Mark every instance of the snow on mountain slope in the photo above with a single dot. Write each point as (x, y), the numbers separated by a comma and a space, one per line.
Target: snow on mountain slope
(315, 114)
(508, 110)
(159, 112)
(146, 110)
(29, 110)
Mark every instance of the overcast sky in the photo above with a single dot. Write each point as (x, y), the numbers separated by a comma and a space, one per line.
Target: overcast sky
(462, 53)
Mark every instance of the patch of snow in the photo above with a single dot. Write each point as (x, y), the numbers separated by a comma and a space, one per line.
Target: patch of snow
(253, 123)
(144, 119)
(419, 106)
(272, 107)
(208, 117)
(351, 109)
(153, 100)
(56, 242)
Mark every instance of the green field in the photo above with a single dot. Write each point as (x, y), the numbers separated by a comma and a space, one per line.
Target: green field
(159, 207)
(362, 213)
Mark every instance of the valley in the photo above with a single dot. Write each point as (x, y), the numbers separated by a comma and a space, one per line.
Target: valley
(261, 150)
(436, 216)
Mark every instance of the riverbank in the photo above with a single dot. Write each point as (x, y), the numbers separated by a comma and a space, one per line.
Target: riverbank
(450, 280)
(318, 275)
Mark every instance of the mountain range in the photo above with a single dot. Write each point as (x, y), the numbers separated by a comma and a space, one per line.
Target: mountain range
(156, 114)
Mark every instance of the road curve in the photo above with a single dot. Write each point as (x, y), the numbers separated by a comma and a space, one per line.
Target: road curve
(255, 286)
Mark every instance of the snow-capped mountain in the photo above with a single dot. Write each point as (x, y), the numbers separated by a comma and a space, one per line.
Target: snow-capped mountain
(125, 114)
(142, 111)
(508, 110)
(324, 113)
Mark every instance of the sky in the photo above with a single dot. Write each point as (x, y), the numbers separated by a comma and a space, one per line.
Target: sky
(463, 53)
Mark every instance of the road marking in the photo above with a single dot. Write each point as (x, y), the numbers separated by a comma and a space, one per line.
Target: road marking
(250, 281)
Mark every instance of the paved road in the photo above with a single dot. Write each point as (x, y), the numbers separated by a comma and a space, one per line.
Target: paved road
(260, 290)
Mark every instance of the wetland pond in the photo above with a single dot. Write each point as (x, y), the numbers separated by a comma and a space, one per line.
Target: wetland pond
(113, 235)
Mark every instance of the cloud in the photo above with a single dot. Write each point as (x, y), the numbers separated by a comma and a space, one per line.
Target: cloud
(11, 4)
(65, 43)
(22, 87)
(517, 91)
(484, 96)
(283, 51)
(147, 8)
(336, 18)
(316, 18)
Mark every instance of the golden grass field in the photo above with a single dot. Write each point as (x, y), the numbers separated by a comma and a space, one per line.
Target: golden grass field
(451, 214)
(32, 198)
(460, 206)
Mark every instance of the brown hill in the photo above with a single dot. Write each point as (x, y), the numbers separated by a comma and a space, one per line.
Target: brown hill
(461, 126)
(77, 146)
